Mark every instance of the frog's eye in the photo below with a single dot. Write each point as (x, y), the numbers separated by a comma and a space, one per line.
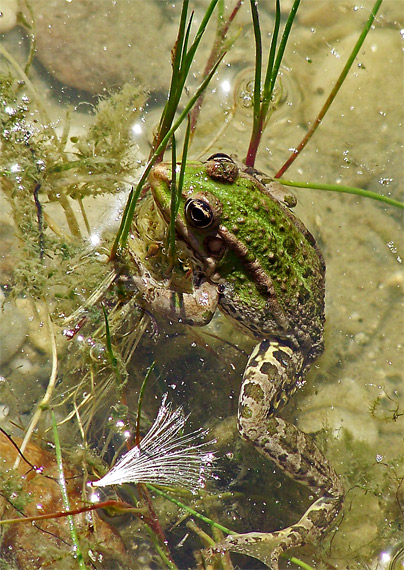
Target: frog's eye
(221, 167)
(198, 213)
(221, 157)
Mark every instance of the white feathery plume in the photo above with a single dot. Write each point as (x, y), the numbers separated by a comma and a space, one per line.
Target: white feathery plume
(165, 456)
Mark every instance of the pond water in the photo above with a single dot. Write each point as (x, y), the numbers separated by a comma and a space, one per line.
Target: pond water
(56, 237)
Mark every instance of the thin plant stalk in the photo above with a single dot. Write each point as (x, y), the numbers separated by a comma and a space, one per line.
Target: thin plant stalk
(211, 522)
(160, 550)
(220, 45)
(66, 503)
(299, 563)
(110, 351)
(123, 232)
(344, 189)
(334, 91)
(176, 191)
(117, 506)
(140, 402)
(38, 101)
(182, 60)
(188, 509)
(44, 403)
(263, 96)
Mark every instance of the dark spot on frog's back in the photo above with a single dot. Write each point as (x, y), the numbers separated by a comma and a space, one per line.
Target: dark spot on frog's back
(264, 346)
(304, 295)
(282, 357)
(268, 369)
(289, 245)
(254, 391)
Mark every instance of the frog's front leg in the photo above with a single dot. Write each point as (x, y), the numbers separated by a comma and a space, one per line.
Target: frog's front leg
(273, 372)
(196, 308)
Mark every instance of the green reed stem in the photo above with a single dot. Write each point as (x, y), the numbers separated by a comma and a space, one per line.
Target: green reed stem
(263, 96)
(221, 44)
(182, 61)
(344, 189)
(110, 351)
(334, 91)
(65, 497)
(189, 510)
(176, 190)
(213, 523)
(271, 75)
(173, 203)
(140, 401)
(124, 229)
(299, 563)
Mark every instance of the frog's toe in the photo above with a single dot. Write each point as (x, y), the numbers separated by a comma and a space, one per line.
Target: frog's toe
(266, 547)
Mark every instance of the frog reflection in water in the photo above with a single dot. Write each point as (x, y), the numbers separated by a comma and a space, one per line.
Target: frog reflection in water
(257, 263)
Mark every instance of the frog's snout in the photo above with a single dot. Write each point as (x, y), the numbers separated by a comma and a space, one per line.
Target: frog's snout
(159, 174)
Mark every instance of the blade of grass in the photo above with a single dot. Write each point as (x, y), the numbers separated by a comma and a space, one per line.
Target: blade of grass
(65, 497)
(262, 100)
(176, 191)
(189, 510)
(269, 78)
(110, 351)
(182, 62)
(183, 163)
(123, 232)
(344, 189)
(140, 402)
(171, 226)
(213, 523)
(167, 115)
(258, 66)
(334, 91)
(220, 45)
(201, 30)
(282, 47)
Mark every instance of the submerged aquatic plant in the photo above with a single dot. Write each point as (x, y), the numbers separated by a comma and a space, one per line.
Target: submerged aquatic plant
(165, 456)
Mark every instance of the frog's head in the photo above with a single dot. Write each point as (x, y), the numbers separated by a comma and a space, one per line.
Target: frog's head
(199, 218)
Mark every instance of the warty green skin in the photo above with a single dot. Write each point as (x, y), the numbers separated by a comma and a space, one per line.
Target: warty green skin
(289, 302)
(257, 263)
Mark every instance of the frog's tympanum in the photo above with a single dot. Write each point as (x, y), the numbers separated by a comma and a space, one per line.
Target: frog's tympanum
(258, 264)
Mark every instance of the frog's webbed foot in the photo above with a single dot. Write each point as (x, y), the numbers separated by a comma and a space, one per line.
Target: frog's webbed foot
(268, 547)
(262, 546)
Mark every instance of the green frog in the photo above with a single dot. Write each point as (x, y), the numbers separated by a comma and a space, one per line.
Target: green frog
(258, 264)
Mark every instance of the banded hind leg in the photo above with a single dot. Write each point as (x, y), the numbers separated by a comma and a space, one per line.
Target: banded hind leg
(272, 374)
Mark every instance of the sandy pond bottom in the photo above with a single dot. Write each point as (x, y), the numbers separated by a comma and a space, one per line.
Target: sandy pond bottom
(353, 399)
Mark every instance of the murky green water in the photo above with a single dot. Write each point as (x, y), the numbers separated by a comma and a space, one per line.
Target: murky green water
(353, 399)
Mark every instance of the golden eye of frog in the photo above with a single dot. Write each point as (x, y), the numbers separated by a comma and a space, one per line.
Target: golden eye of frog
(258, 264)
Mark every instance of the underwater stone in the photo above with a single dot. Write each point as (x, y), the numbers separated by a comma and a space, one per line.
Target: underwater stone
(8, 15)
(13, 331)
(93, 44)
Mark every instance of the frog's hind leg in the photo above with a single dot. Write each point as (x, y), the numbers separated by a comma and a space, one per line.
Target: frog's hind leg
(273, 372)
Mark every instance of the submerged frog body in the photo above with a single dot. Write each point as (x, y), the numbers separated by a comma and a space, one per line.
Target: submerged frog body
(257, 263)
